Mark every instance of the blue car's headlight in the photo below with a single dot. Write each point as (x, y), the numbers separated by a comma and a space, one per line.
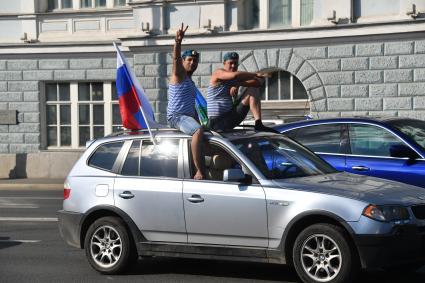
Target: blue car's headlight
(386, 213)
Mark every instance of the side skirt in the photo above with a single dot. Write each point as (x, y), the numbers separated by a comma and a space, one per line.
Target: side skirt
(210, 252)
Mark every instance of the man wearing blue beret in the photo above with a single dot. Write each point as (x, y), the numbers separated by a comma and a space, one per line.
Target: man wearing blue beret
(181, 113)
(223, 114)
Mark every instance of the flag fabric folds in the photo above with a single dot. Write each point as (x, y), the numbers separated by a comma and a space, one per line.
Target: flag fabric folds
(201, 108)
(136, 111)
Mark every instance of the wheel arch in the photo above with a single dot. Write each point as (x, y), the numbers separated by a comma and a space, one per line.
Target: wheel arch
(306, 219)
(106, 210)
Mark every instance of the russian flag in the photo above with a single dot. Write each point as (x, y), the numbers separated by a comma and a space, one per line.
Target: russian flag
(136, 111)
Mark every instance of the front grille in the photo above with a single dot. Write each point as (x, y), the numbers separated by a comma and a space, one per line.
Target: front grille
(419, 211)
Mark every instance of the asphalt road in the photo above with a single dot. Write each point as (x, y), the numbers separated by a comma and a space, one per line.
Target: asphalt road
(31, 250)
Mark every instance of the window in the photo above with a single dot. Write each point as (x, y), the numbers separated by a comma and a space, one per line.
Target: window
(105, 156)
(119, 2)
(283, 85)
(131, 166)
(159, 160)
(59, 4)
(92, 3)
(78, 112)
(116, 115)
(321, 138)
(148, 160)
(279, 13)
(90, 111)
(58, 114)
(371, 140)
(266, 14)
(251, 15)
(279, 158)
(216, 161)
(306, 12)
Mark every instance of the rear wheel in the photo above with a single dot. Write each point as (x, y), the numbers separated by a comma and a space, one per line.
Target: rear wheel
(108, 246)
(322, 254)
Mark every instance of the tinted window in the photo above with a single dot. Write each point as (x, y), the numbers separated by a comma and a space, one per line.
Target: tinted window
(371, 140)
(414, 129)
(160, 160)
(131, 165)
(105, 155)
(320, 138)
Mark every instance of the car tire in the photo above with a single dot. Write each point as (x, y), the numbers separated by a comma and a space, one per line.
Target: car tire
(109, 247)
(322, 253)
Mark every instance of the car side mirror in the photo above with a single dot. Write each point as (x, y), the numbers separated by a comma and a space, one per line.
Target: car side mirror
(235, 175)
(402, 151)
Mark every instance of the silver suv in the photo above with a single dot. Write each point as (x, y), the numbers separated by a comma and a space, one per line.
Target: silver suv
(266, 198)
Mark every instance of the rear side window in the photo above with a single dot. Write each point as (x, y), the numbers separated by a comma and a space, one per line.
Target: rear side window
(105, 156)
(148, 160)
(321, 138)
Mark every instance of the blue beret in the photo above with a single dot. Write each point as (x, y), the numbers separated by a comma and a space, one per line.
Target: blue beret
(231, 56)
(191, 53)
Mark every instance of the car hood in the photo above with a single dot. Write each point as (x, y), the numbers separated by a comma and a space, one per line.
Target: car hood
(368, 189)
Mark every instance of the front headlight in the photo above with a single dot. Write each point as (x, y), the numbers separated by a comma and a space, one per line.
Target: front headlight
(386, 213)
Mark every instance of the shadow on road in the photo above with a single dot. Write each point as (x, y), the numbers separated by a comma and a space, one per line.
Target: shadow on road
(241, 270)
(254, 271)
(5, 243)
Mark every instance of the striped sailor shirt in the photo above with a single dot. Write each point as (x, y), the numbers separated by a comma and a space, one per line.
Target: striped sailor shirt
(219, 100)
(181, 99)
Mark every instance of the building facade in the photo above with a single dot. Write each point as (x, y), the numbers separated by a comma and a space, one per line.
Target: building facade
(329, 58)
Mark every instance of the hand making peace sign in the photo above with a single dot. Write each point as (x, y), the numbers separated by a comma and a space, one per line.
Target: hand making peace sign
(180, 34)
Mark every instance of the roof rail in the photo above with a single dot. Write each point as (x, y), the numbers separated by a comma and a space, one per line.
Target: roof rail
(130, 132)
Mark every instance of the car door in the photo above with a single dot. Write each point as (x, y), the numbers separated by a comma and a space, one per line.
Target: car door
(224, 213)
(326, 140)
(370, 154)
(149, 189)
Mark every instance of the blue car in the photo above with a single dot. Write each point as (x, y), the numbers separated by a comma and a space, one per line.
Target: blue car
(389, 148)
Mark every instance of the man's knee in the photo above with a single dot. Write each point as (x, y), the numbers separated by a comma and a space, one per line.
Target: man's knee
(199, 132)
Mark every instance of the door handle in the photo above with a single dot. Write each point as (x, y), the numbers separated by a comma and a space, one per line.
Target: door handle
(126, 195)
(195, 199)
(360, 168)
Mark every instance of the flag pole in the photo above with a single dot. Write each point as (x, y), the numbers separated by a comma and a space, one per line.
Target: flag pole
(134, 93)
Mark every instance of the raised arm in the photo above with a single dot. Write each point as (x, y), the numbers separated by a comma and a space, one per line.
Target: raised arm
(178, 72)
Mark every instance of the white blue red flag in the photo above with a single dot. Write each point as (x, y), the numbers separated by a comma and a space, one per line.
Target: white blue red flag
(136, 111)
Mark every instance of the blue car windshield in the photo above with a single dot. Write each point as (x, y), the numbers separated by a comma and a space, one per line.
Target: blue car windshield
(280, 158)
(414, 129)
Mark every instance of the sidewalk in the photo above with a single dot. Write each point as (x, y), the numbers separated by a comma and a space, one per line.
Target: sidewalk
(39, 184)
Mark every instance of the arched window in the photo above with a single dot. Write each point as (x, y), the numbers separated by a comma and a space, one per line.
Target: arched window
(284, 86)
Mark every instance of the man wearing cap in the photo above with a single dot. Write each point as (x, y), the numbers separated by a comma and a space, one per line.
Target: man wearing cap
(181, 113)
(222, 113)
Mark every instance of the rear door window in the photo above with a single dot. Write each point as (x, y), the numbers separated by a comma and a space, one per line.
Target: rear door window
(106, 155)
(148, 160)
(320, 138)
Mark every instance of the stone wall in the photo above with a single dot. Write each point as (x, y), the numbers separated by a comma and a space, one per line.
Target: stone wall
(354, 78)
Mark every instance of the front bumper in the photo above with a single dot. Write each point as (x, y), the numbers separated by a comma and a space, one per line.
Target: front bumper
(404, 245)
(70, 227)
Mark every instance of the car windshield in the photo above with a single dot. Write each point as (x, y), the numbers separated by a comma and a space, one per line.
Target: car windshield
(412, 128)
(280, 158)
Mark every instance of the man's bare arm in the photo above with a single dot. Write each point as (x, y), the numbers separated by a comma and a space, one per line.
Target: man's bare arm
(178, 72)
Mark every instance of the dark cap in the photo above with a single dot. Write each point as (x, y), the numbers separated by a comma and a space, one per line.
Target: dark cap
(231, 56)
(191, 53)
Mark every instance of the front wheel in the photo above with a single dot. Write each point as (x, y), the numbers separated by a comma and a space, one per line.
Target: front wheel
(322, 253)
(108, 246)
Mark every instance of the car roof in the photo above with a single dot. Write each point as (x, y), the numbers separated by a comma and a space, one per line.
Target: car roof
(375, 120)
